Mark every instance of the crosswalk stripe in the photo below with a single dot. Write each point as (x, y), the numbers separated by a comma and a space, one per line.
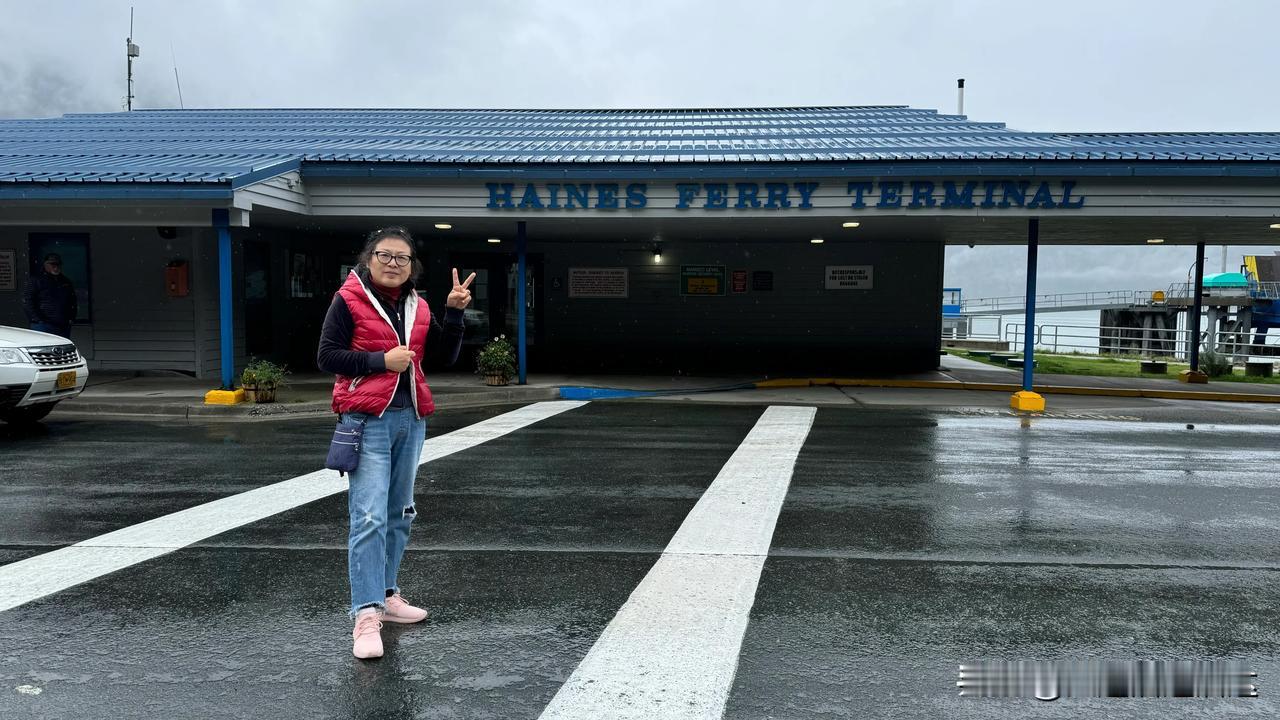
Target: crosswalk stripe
(47, 573)
(672, 650)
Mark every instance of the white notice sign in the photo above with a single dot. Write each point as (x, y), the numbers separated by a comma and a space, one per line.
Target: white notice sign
(598, 282)
(8, 271)
(849, 277)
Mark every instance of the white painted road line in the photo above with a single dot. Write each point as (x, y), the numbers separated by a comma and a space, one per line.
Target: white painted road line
(47, 573)
(672, 650)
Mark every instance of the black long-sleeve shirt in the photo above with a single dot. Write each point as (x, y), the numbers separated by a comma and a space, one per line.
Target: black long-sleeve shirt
(444, 342)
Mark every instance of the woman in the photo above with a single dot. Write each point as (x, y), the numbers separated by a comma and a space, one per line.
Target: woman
(374, 339)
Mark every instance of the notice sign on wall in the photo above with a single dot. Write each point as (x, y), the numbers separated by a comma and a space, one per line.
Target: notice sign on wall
(702, 280)
(608, 282)
(8, 271)
(849, 277)
(739, 281)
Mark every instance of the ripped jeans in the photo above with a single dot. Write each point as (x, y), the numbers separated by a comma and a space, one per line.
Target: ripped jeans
(380, 503)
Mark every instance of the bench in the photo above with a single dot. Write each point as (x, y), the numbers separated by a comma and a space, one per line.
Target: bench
(1154, 367)
(980, 353)
(1002, 358)
(1259, 368)
(1017, 362)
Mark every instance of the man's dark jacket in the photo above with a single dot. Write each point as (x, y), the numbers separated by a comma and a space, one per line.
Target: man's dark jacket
(50, 299)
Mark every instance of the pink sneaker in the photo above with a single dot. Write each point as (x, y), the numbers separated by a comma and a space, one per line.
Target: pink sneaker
(400, 611)
(368, 641)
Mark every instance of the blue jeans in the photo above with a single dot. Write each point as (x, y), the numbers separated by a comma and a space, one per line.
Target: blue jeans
(380, 503)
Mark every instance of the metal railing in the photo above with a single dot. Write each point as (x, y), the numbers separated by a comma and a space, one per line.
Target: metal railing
(1172, 343)
(1012, 304)
(1182, 292)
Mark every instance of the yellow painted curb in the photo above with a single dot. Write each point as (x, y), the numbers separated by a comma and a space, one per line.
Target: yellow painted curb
(1044, 389)
(1026, 401)
(224, 397)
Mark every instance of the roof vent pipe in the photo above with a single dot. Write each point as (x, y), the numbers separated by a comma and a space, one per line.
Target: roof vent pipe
(960, 100)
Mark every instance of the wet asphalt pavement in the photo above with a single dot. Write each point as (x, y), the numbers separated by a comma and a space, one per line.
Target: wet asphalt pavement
(911, 540)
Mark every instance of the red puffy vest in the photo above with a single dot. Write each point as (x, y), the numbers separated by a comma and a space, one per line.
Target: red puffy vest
(374, 333)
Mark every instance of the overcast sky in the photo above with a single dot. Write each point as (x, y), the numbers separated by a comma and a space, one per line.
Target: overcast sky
(1119, 65)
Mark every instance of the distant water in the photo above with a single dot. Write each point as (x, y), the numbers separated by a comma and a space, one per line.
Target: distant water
(1058, 331)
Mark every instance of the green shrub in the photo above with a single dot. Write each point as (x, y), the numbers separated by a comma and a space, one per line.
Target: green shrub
(1215, 364)
(497, 357)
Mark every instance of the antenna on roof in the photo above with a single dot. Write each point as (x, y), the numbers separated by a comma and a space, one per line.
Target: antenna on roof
(131, 51)
(181, 105)
(960, 101)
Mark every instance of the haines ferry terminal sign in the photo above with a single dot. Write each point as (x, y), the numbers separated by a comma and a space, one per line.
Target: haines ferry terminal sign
(862, 194)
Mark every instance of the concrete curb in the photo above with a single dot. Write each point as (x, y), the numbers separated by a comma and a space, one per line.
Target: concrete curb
(1011, 388)
(282, 411)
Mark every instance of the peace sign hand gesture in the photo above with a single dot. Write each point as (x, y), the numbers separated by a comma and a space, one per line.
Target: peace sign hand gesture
(460, 296)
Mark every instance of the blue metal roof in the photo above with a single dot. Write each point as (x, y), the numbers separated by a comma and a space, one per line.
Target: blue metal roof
(233, 146)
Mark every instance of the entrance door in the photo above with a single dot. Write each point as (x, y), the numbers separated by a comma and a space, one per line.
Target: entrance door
(494, 308)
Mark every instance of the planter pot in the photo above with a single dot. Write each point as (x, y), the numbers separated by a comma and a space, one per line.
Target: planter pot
(495, 379)
(256, 394)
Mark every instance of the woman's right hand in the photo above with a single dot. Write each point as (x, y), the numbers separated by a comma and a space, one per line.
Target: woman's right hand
(398, 358)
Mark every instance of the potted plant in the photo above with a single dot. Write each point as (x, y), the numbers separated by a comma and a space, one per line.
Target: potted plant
(260, 380)
(496, 361)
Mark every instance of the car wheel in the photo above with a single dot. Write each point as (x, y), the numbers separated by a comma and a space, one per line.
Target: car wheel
(27, 415)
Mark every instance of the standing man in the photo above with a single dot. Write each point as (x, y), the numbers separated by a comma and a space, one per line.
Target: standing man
(50, 299)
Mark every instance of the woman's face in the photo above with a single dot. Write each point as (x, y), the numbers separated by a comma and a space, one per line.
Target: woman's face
(392, 275)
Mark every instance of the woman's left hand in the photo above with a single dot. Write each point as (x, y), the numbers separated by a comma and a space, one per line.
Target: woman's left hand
(460, 296)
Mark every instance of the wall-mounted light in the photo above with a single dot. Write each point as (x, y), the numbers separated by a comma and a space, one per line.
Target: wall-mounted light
(850, 224)
(816, 241)
(657, 253)
(495, 240)
(443, 226)
(1154, 241)
(1275, 226)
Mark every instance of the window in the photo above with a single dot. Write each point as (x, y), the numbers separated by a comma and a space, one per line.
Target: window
(74, 249)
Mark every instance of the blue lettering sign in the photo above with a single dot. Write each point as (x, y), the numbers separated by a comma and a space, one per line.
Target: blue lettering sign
(921, 194)
(685, 193)
(953, 198)
(554, 189)
(500, 195)
(858, 189)
(890, 194)
(606, 196)
(1013, 192)
(576, 193)
(988, 200)
(530, 198)
(636, 198)
(1067, 202)
(747, 193)
(806, 194)
(717, 196)
(777, 196)
(1043, 198)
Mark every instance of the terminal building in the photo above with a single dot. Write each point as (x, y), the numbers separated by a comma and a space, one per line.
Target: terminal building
(768, 240)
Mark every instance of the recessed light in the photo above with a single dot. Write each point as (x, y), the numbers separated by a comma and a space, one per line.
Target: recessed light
(817, 241)
(495, 240)
(443, 226)
(850, 224)
(1154, 241)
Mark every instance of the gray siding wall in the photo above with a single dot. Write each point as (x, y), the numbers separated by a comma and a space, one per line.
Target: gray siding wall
(135, 325)
(799, 325)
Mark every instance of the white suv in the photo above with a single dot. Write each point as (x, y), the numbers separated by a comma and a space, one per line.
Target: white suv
(37, 370)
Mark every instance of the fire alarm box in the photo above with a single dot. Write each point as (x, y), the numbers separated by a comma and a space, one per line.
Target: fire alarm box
(175, 278)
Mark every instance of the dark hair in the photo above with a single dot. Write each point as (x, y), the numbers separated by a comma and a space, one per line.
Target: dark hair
(399, 232)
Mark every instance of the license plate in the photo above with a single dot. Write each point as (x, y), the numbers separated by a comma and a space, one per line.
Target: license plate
(66, 380)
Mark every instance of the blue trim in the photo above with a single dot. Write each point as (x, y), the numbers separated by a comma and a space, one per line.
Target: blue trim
(521, 247)
(112, 191)
(647, 170)
(586, 393)
(265, 173)
(1028, 336)
(222, 223)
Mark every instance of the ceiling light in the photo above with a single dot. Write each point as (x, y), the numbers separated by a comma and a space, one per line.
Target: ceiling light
(443, 226)
(1154, 241)
(495, 240)
(850, 224)
(817, 241)
(1275, 226)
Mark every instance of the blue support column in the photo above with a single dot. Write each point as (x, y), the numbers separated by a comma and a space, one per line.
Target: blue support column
(1029, 337)
(226, 335)
(1027, 398)
(522, 279)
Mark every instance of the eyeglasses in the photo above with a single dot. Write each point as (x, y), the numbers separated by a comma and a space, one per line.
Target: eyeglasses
(387, 258)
